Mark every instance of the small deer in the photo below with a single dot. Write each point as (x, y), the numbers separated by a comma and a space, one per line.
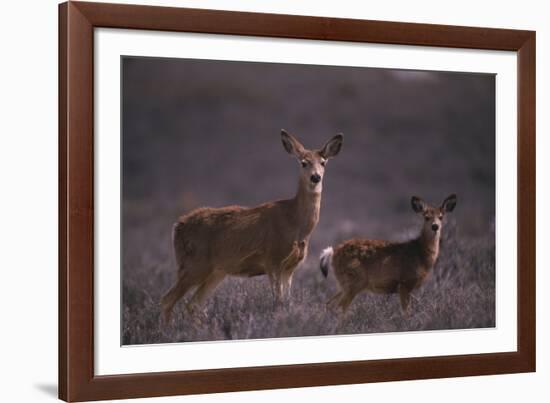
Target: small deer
(272, 238)
(387, 267)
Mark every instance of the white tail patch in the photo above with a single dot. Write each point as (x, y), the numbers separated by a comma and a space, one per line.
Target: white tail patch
(326, 260)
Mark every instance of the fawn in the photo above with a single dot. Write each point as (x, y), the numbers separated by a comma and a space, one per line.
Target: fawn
(272, 238)
(387, 267)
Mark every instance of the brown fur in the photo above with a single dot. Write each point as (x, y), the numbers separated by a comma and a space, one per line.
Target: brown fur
(389, 267)
(272, 238)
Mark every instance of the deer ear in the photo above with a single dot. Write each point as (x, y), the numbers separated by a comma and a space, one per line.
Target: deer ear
(332, 147)
(418, 205)
(449, 203)
(291, 145)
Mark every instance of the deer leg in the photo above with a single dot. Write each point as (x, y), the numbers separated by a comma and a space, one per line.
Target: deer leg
(170, 299)
(285, 281)
(206, 288)
(333, 301)
(288, 285)
(275, 283)
(347, 298)
(289, 265)
(405, 297)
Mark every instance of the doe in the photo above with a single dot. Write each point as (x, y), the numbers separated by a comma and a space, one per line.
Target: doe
(272, 238)
(387, 267)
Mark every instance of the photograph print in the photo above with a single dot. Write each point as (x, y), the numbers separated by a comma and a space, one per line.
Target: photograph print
(267, 200)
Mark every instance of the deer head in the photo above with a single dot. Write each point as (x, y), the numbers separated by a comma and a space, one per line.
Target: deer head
(433, 216)
(312, 162)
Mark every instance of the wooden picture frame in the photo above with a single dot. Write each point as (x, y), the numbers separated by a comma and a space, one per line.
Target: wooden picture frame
(77, 21)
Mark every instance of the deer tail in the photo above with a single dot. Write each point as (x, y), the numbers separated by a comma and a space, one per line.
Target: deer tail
(326, 260)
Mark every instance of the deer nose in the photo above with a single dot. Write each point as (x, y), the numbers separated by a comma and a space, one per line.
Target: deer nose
(435, 227)
(315, 178)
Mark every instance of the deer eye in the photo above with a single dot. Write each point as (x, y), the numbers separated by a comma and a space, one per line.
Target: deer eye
(427, 218)
(323, 163)
(304, 163)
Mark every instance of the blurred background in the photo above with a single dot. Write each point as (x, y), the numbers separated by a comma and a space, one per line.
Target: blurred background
(207, 133)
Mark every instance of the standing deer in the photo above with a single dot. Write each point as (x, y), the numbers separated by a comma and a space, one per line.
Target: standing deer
(387, 267)
(272, 238)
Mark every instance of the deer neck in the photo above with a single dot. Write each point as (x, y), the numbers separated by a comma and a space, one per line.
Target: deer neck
(307, 205)
(429, 247)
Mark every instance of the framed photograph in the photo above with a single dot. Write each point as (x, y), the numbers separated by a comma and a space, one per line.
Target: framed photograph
(255, 201)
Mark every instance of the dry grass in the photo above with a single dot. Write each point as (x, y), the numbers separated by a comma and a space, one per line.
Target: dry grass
(460, 294)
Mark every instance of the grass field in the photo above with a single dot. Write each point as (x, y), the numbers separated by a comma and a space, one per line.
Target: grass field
(460, 294)
(203, 133)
